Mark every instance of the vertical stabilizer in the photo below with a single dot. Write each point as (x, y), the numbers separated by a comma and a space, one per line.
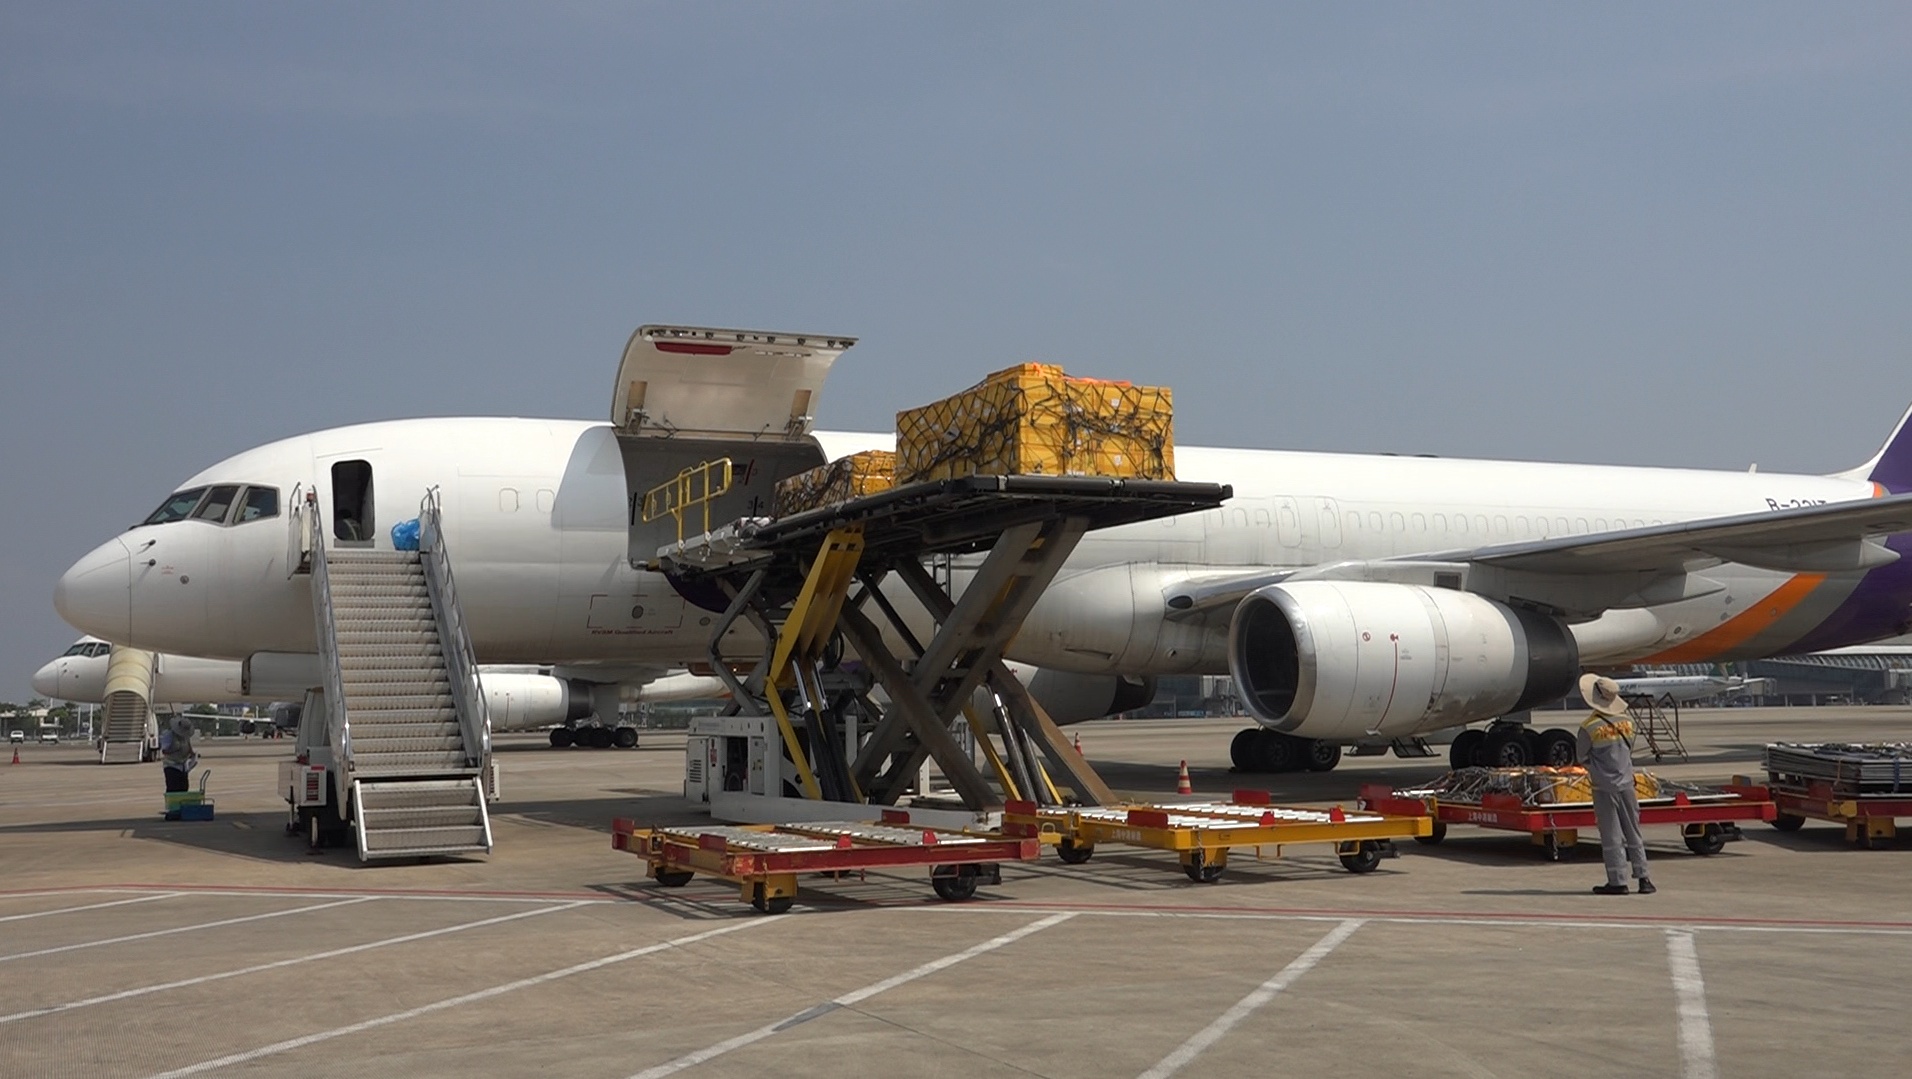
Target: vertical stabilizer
(1891, 467)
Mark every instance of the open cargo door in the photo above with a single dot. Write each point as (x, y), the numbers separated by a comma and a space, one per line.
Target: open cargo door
(711, 384)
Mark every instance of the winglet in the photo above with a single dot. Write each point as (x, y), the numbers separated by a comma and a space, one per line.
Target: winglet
(1891, 467)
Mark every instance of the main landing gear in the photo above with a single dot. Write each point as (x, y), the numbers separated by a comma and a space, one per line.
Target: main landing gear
(594, 737)
(1258, 749)
(1512, 745)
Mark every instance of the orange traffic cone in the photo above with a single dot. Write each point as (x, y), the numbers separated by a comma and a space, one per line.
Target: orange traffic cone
(16, 754)
(1078, 745)
(1181, 781)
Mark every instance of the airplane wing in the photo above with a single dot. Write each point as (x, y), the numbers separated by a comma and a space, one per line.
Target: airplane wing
(1584, 574)
(693, 382)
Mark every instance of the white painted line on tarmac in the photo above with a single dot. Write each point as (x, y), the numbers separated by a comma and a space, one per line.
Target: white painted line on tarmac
(126, 994)
(468, 998)
(89, 906)
(1696, 1030)
(691, 1060)
(1246, 1006)
(179, 929)
(1414, 919)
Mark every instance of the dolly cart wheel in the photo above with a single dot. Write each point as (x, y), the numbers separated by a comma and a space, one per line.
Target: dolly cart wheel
(769, 904)
(1709, 839)
(1204, 867)
(672, 878)
(1362, 856)
(1439, 833)
(954, 882)
(1074, 853)
(1786, 822)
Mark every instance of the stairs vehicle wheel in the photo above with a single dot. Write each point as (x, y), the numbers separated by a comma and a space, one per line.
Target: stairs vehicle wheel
(1465, 752)
(562, 737)
(1322, 756)
(625, 737)
(1557, 748)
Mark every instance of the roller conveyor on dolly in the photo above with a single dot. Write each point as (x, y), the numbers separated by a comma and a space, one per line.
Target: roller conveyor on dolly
(765, 860)
(1866, 788)
(1707, 821)
(1201, 834)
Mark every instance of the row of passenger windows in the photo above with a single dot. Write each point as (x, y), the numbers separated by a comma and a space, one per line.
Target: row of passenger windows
(89, 649)
(221, 504)
(1501, 526)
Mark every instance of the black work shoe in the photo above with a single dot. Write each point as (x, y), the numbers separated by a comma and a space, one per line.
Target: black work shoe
(1646, 887)
(1609, 889)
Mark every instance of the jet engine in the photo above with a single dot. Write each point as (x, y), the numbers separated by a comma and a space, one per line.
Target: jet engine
(523, 702)
(1347, 660)
(1075, 698)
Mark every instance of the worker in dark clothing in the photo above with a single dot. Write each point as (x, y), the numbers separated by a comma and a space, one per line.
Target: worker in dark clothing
(177, 757)
(1606, 749)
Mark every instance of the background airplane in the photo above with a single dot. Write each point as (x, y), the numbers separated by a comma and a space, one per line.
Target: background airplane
(517, 698)
(1352, 598)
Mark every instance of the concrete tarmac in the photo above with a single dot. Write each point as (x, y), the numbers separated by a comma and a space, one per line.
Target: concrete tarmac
(130, 946)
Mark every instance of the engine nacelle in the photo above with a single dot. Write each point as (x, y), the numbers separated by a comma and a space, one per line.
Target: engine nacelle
(1075, 698)
(1356, 659)
(522, 702)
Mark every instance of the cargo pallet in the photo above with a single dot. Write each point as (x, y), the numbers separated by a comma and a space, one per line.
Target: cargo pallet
(1203, 833)
(1706, 823)
(764, 860)
(1871, 820)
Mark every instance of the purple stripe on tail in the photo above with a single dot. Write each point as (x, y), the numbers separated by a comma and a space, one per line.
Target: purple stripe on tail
(1892, 469)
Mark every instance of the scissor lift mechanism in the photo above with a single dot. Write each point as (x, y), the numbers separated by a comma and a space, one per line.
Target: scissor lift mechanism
(834, 560)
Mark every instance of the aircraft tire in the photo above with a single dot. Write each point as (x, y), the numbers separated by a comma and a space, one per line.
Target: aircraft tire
(625, 737)
(1274, 752)
(1507, 747)
(600, 737)
(1321, 756)
(562, 737)
(1241, 750)
(1557, 748)
(1465, 752)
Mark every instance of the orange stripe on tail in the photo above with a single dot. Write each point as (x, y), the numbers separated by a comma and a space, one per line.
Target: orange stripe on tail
(1743, 626)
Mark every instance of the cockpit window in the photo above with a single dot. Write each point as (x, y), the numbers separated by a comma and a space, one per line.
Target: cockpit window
(177, 507)
(79, 649)
(216, 503)
(98, 648)
(259, 503)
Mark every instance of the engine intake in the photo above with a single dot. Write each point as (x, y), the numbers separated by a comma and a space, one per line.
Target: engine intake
(1358, 659)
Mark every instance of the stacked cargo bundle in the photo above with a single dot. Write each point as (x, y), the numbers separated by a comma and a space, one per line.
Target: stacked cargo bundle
(1539, 785)
(849, 477)
(1877, 769)
(1034, 420)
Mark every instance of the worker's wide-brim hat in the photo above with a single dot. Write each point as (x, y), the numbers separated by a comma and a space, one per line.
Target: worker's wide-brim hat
(181, 725)
(1602, 694)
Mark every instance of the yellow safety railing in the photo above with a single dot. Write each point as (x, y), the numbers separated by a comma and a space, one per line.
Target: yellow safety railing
(695, 487)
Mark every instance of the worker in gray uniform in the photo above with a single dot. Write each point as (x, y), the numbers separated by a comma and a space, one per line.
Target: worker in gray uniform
(1606, 749)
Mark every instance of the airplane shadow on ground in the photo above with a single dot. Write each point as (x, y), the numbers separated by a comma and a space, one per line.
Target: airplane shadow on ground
(256, 836)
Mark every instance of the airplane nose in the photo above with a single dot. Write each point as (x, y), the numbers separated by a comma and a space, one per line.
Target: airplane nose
(46, 681)
(95, 596)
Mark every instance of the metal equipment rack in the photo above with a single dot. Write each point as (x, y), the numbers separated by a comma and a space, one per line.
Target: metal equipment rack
(764, 860)
(792, 579)
(1202, 833)
(1707, 822)
(1865, 788)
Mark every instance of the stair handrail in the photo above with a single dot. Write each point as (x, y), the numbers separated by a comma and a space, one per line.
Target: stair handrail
(461, 663)
(326, 632)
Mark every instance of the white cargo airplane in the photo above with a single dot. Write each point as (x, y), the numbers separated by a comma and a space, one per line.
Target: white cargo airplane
(1353, 598)
(516, 698)
(1681, 688)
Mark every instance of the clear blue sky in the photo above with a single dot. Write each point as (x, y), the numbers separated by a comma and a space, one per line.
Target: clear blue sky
(1648, 233)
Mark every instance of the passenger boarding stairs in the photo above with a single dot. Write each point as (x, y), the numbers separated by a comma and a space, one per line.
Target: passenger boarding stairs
(128, 729)
(406, 716)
